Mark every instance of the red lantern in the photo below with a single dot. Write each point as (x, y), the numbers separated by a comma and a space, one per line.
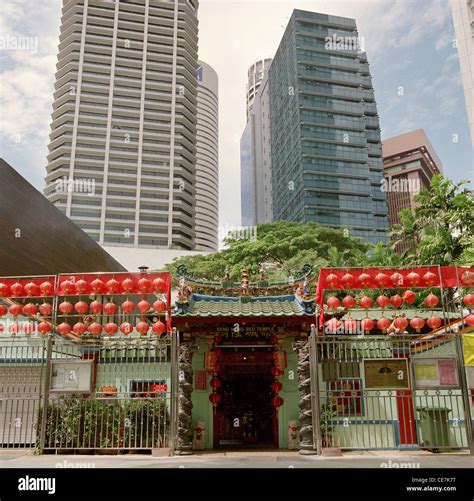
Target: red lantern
(348, 302)
(413, 278)
(382, 301)
(128, 306)
(469, 319)
(367, 324)
(382, 280)
(364, 280)
(16, 309)
(82, 287)
(126, 328)
(159, 285)
(396, 301)
(63, 328)
(47, 288)
(3, 310)
(30, 309)
(276, 372)
(417, 323)
(46, 309)
(67, 287)
(96, 307)
(215, 383)
(81, 307)
(97, 286)
(79, 328)
(400, 323)
(430, 279)
(128, 285)
(366, 302)
(333, 325)
(277, 401)
(332, 280)
(434, 322)
(348, 280)
(142, 328)
(333, 302)
(14, 328)
(350, 325)
(409, 297)
(111, 328)
(396, 279)
(17, 289)
(431, 300)
(4, 290)
(31, 289)
(469, 299)
(44, 327)
(65, 307)
(112, 286)
(467, 278)
(276, 386)
(159, 328)
(143, 306)
(215, 398)
(110, 308)
(144, 285)
(383, 324)
(159, 305)
(95, 329)
(28, 328)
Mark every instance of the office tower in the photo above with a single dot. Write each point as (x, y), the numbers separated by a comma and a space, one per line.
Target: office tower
(256, 74)
(410, 162)
(326, 153)
(463, 18)
(207, 159)
(124, 121)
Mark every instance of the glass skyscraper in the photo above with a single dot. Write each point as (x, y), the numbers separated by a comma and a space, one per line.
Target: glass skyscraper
(326, 153)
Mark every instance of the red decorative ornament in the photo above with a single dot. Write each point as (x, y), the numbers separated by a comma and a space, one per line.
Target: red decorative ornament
(348, 280)
(413, 279)
(67, 287)
(126, 328)
(30, 309)
(397, 279)
(111, 328)
(3, 310)
(430, 279)
(400, 323)
(65, 307)
(333, 302)
(143, 306)
(434, 322)
(110, 308)
(79, 328)
(333, 325)
(28, 328)
(332, 280)
(431, 300)
(4, 290)
(364, 280)
(382, 280)
(81, 286)
(142, 328)
(17, 289)
(383, 323)
(46, 288)
(215, 398)
(467, 278)
(112, 286)
(144, 285)
(469, 299)
(159, 285)
(46, 309)
(277, 372)
(16, 309)
(96, 307)
(409, 297)
(63, 328)
(97, 286)
(367, 324)
(31, 289)
(128, 285)
(417, 323)
(128, 306)
(469, 319)
(350, 325)
(348, 302)
(277, 401)
(95, 329)
(44, 327)
(396, 301)
(215, 383)
(276, 386)
(159, 328)
(382, 301)
(159, 305)
(81, 307)
(366, 302)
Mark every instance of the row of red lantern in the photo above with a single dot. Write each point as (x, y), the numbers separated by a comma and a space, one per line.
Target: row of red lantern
(111, 328)
(30, 289)
(112, 286)
(382, 301)
(29, 309)
(127, 306)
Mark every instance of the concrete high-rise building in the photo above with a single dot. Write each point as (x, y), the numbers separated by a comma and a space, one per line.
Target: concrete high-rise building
(326, 152)
(463, 18)
(256, 74)
(124, 121)
(207, 159)
(410, 162)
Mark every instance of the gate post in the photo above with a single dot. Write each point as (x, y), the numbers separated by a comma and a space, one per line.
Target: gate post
(45, 399)
(315, 401)
(174, 390)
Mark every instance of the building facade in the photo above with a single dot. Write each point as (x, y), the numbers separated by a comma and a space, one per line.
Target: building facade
(410, 162)
(207, 159)
(463, 18)
(256, 74)
(326, 153)
(124, 119)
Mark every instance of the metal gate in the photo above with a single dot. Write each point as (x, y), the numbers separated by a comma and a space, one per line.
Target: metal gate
(389, 392)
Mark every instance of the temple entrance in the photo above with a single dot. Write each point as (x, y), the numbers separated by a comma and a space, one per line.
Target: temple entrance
(246, 417)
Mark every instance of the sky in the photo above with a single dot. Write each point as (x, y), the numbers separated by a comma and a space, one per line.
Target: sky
(410, 46)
